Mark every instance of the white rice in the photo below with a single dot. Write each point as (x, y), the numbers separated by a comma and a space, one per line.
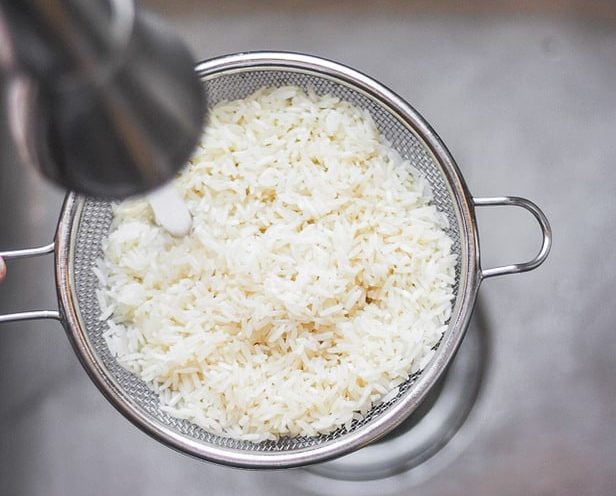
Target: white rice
(317, 275)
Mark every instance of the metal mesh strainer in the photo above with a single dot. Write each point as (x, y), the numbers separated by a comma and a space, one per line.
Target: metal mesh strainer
(84, 223)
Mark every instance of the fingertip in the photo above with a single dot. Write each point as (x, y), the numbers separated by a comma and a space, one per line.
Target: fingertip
(2, 269)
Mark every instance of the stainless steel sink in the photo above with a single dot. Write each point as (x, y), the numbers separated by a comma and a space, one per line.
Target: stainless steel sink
(527, 106)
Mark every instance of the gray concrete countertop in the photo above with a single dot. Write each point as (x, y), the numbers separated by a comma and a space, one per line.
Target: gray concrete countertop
(527, 106)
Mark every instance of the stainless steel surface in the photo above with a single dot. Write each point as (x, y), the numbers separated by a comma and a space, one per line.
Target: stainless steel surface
(521, 101)
(84, 224)
(102, 97)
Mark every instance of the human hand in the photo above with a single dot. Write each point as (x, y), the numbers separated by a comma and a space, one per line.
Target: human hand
(2, 269)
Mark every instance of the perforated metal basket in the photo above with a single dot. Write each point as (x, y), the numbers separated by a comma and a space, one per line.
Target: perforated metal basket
(84, 223)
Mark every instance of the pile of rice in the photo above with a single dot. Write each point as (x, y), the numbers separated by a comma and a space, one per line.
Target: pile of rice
(316, 278)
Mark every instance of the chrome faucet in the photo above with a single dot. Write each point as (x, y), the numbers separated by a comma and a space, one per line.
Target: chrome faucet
(101, 96)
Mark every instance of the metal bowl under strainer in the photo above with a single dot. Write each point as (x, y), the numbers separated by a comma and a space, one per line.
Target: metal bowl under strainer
(85, 222)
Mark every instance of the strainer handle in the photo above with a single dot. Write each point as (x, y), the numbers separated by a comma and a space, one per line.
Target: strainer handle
(544, 225)
(34, 314)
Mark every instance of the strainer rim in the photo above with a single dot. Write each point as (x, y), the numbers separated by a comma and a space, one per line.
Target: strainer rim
(469, 279)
